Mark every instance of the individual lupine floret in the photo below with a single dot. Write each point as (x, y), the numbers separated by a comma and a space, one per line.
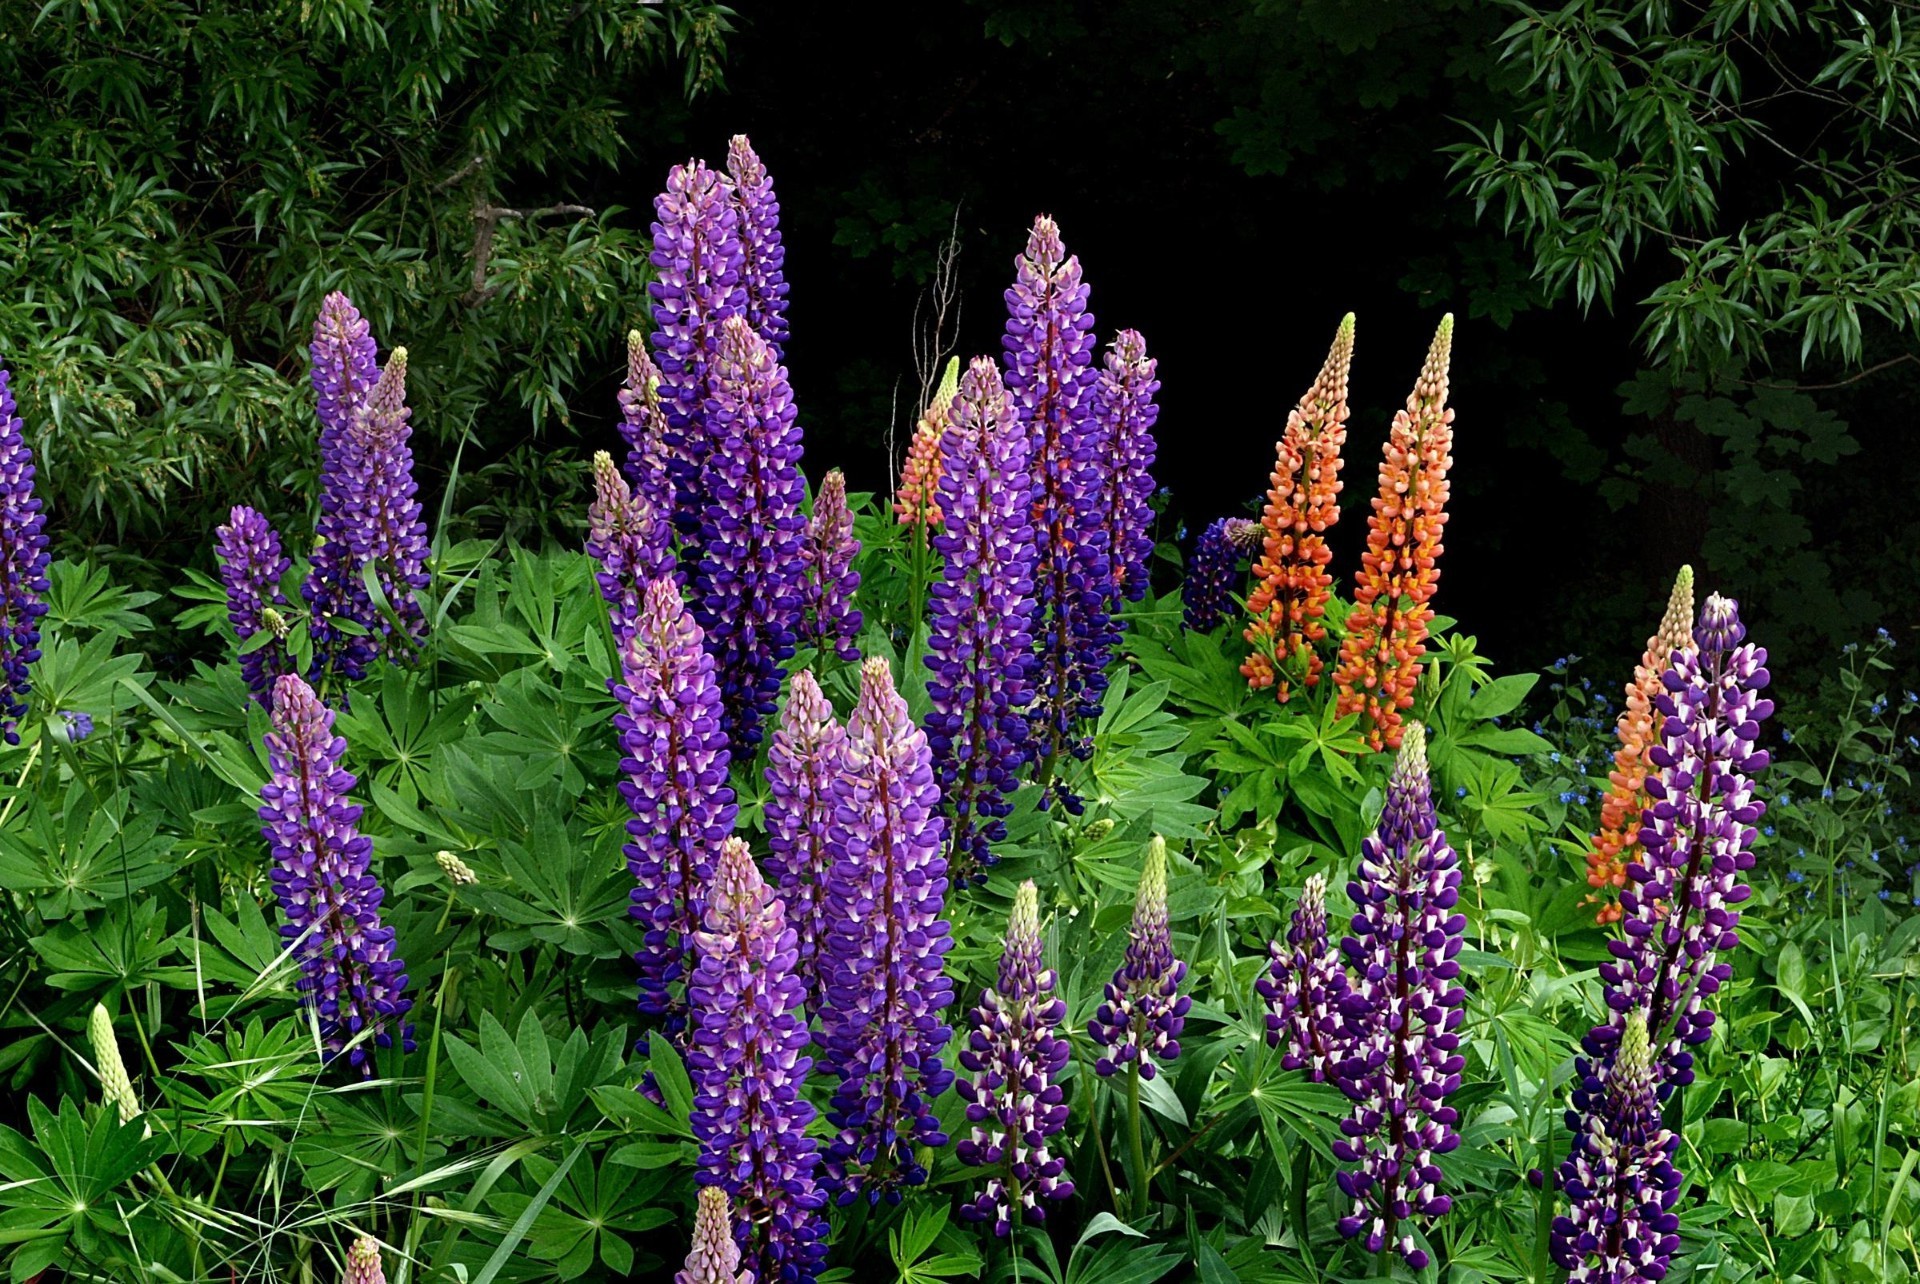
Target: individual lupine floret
(746, 1057)
(714, 1258)
(630, 540)
(979, 650)
(674, 768)
(1402, 1011)
(829, 617)
(1387, 630)
(1121, 428)
(116, 1085)
(323, 878)
(1617, 843)
(643, 426)
(251, 564)
(1620, 1177)
(1049, 348)
(1303, 503)
(804, 760)
(23, 566)
(363, 1262)
(1015, 1056)
(916, 502)
(1304, 986)
(747, 582)
(345, 365)
(1212, 576)
(1144, 1013)
(763, 278)
(883, 968)
(698, 260)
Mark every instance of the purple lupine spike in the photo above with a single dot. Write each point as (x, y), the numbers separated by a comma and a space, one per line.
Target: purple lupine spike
(747, 581)
(1014, 1100)
(1304, 986)
(746, 1059)
(882, 967)
(345, 365)
(979, 649)
(1121, 426)
(805, 758)
(363, 1262)
(643, 426)
(674, 760)
(829, 617)
(762, 274)
(23, 566)
(1049, 348)
(345, 370)
(630, 540)
(1402, 1011)
(251, 565)
(714, 1258)
(698, 259)
(1215, 573)
(1678, 913)
(1145, 1011)
(322, 876)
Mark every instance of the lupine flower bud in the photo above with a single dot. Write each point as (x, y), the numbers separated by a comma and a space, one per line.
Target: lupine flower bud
(830, 617)
(1304, 986)
(978, 647)
(1014, 1101)
(643, 426)
(322, 876)
(747, 1064)
(1120, 425)
(23, 566)
(116, 1085)
(714, 1257)
(916, 501)
(1245, 535)
(1212, 576)
(762, 277)
(1617, 844)
(1402, 1011)
(1145, 1011)
(458, 872)
(363, 1262)
(883, 965)
(631, 540)
(251, 565)
(1302, 505)
(803, 762)
(1387, 631)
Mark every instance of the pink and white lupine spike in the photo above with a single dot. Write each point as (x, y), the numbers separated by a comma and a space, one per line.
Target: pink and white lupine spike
(714, 1258)
(803, 762)
(631, 541)
(363, 1262)
(829, 617)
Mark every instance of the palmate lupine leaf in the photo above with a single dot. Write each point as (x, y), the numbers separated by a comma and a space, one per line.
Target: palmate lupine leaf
(84, 854)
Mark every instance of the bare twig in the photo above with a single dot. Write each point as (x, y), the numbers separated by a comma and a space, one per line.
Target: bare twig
(486, 221)
(460, 175)
(1902, 359)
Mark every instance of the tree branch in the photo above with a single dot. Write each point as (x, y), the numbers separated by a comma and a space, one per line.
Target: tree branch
(486, 221)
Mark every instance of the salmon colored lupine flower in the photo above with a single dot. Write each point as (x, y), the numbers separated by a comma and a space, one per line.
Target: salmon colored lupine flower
(1387, 631)
(917, 501)
(1616, 845)
(1304, 501)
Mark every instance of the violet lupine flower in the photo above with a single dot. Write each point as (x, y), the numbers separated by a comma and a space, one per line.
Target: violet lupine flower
(345, 370)
(251, 565)
(1212, 577)
(1401, 1012)
(1120, 424)
(363, 1262)
(762, 274)
(322, 876)
(746, 1059)
(630, 540)
(978, 645)
(23, 566)
(674, 759)
(714, 1258)
(1049, 345)
(828, 616)
(1144, 1013)
(883, 963)
(804, 760)
(698, 259)
(1014, 1100)
(1304, 985)
(747, 581)
(1677, 914)
(76, 725)
(345, 365)
(643, 426)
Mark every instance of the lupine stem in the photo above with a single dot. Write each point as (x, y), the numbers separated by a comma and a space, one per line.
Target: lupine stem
(1136, 1141)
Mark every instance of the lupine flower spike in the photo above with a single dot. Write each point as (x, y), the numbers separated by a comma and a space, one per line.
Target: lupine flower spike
(251, 565)
(629, 539)
(747, 1062)
(1121, 429)
(762, 275)
(803, 762)
(830, 617)
(978, 646)
(884, 971)
(23, 567)
(1145, 1011)
(1403, 1010)
(1387, 631)
(116, 1085)
(916, 502)
(1302, 505)
(1678, 913)
(345, 365)
(714, 1257)
(1214, 574)
(322, 876)
(1015, 1055)
(1304, 986)
(363, 1262)
(1617, 844)
(643, 426)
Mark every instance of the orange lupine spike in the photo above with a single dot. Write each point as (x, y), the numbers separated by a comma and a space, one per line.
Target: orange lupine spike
(916, 502)
(1387, 630)
(1615, 845)
(1302, 503)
